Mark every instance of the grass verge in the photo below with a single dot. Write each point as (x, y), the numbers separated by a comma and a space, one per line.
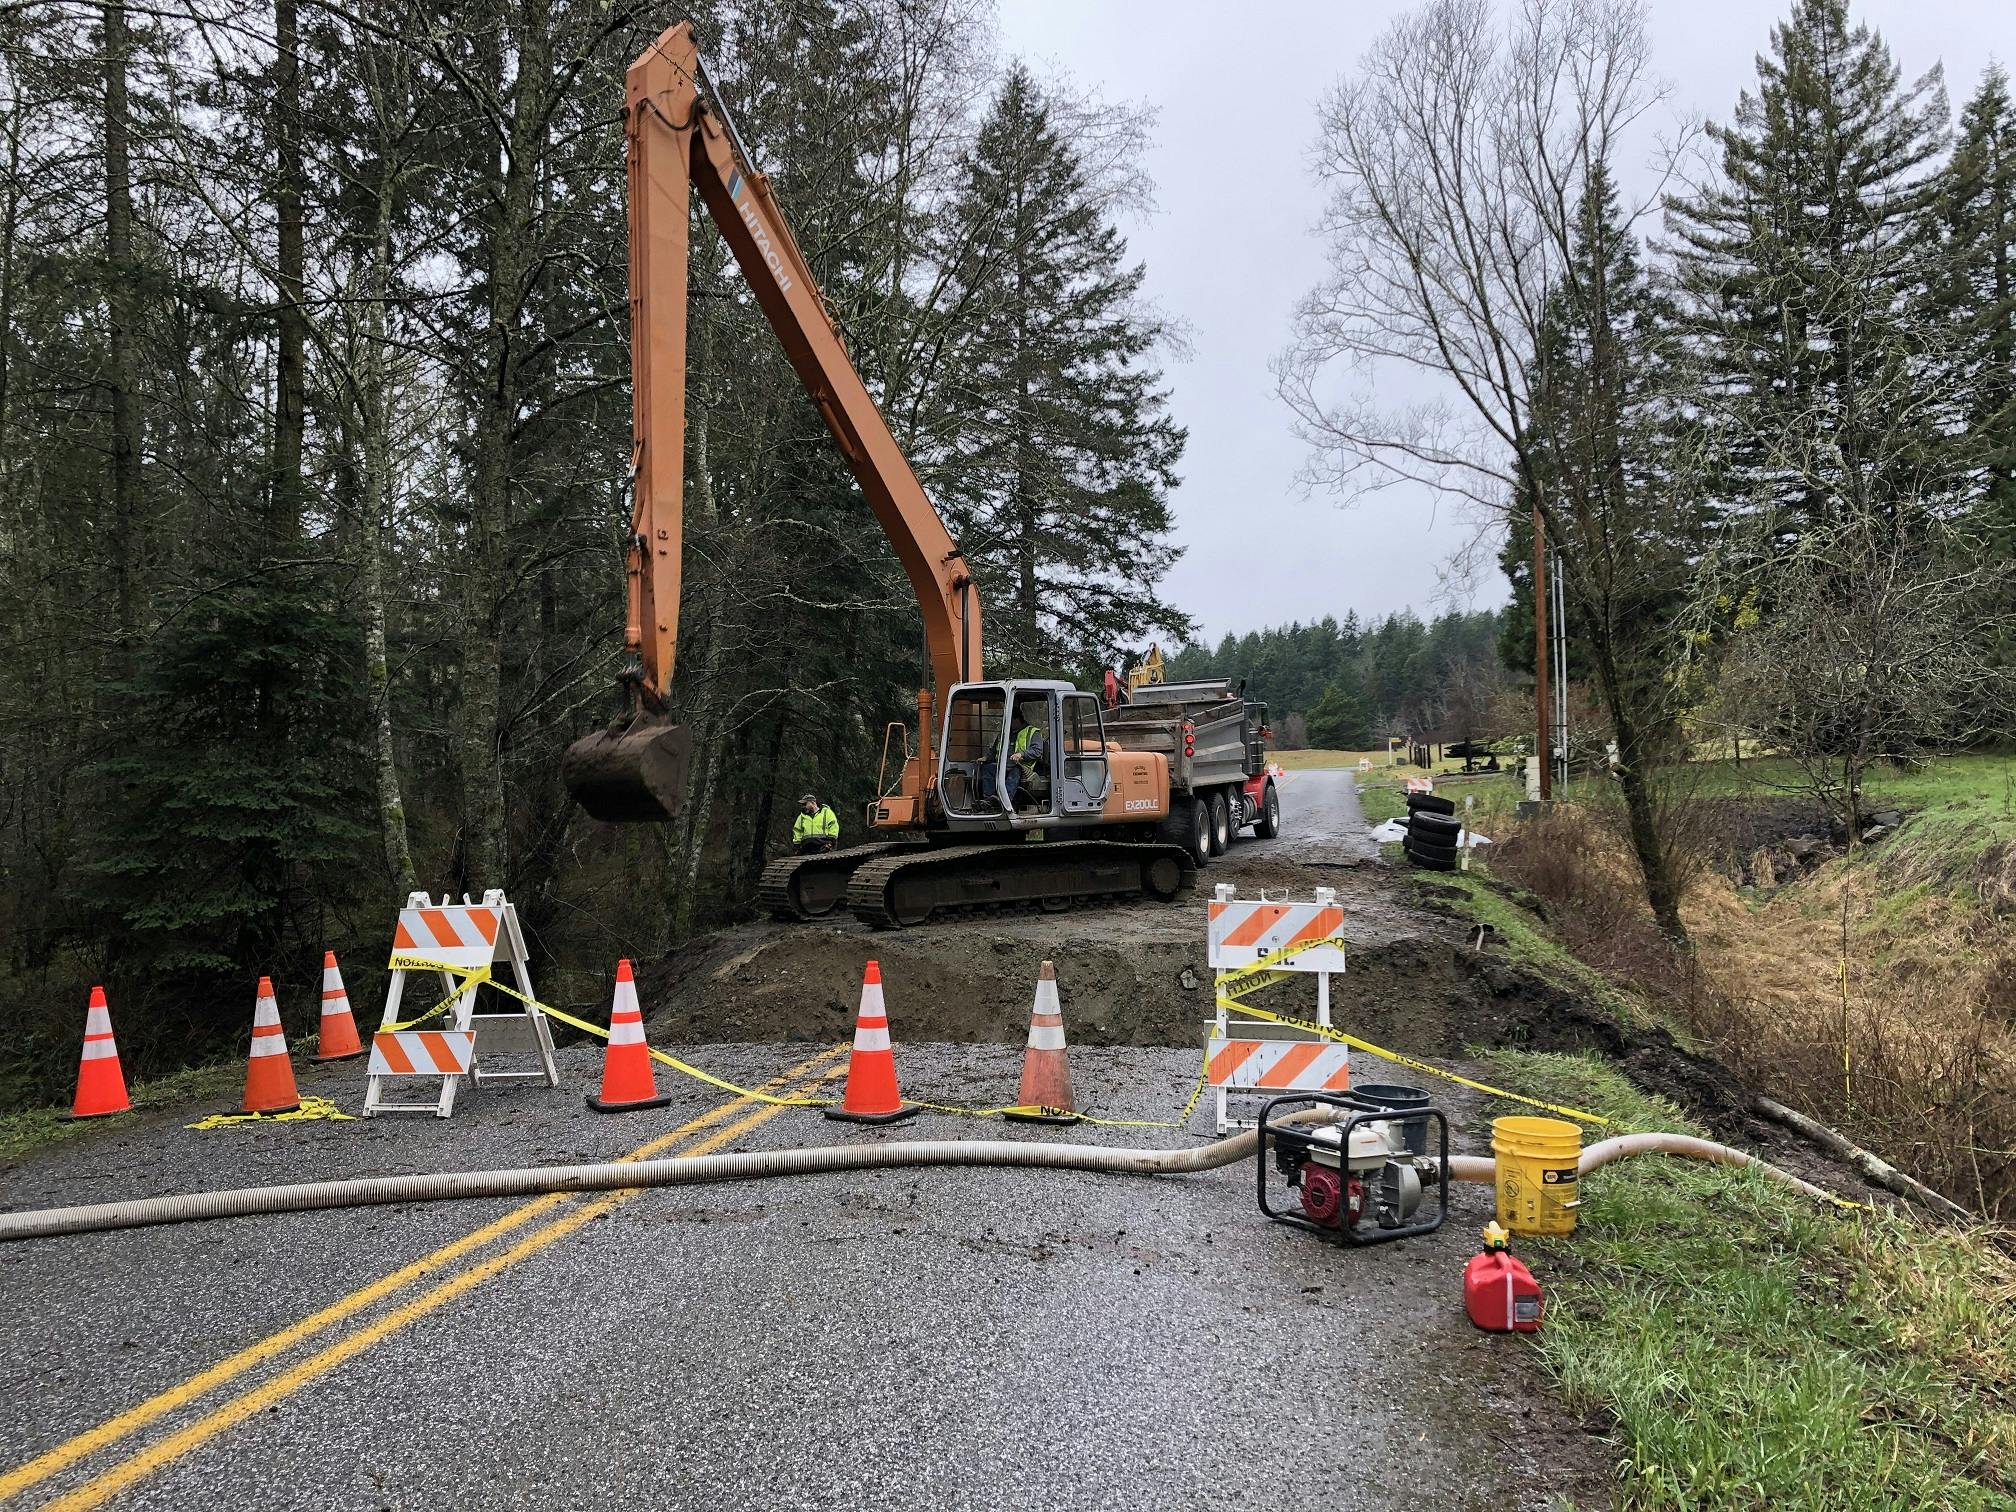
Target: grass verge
(35, 1128)
(1755, 1350)
(1479, 898)
(1383, 796)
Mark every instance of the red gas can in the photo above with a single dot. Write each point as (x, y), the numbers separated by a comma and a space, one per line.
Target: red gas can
(1499, 1291)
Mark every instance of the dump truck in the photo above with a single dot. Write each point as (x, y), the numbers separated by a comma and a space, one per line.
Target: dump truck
(1214, 739)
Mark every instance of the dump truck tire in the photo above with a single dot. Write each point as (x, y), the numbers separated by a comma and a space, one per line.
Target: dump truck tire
(1268, 825)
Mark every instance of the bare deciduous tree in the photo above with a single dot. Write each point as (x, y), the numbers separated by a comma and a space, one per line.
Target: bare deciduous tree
(1463, 160)
(1873, 645)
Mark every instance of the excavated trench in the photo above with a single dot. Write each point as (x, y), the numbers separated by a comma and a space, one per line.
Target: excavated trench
(1136, 975)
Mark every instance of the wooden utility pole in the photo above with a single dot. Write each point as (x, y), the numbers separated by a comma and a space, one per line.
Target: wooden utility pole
(1542, 707)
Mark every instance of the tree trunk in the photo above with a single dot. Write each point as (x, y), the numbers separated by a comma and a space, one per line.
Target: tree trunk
(376, 404)
(125, 440)
(290, 361)
(766, 788)
(10, 219)
(1647, 844)
(512, 261)
(704, 709)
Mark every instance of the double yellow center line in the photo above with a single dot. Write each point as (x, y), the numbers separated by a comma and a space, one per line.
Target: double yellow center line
(152, 1457)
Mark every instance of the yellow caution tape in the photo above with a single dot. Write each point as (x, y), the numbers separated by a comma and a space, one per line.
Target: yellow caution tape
(1266, 972)
(311, 1108)
(481, 975)
(671, 1060)
(1235, 1006)
(472, 977)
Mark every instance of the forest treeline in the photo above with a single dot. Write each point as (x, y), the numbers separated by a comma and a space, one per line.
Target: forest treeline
(314, 440)
(1350, 685)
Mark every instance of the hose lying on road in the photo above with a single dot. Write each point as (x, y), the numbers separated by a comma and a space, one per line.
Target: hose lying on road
(696, 1170)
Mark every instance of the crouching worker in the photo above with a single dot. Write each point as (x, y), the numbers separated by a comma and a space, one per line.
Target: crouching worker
(815, 829)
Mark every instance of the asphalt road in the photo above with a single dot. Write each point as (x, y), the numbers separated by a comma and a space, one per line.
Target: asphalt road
(962, 1338)
(1321, 822)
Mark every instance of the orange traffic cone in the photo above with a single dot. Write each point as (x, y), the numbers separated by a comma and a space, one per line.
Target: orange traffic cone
(627, 1081)
(871, 1074)
(101, 1085)
(269, 1074)
(338, 1039)
(1046, 1069)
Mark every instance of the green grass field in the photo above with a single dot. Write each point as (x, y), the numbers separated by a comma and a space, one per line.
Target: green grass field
(1983, 785)
(1755, 1348)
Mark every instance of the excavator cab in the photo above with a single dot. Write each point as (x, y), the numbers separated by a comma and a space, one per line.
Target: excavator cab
(1022, 755)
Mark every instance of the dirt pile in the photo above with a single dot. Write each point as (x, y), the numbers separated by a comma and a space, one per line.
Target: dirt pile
(1134, 976)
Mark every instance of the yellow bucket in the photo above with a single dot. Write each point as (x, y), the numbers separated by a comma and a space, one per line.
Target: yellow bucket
(1536, 1167)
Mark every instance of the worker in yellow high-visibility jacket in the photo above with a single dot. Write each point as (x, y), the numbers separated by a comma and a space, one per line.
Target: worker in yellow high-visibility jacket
(1029, 759)
(815, 828)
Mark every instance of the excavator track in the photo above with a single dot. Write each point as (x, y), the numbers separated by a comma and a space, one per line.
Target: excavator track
(896, 891)
(811, 887)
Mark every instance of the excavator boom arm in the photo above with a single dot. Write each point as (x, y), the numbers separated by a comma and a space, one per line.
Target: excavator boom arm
(679, 140)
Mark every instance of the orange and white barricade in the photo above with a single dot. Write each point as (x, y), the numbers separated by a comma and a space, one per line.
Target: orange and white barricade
(1261, 1057)
(460, 943)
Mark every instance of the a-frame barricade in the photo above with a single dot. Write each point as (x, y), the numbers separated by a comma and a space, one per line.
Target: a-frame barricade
(460, 943)
(1283, 940)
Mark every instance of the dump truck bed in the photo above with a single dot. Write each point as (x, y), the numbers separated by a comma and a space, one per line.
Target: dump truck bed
(1225, 744)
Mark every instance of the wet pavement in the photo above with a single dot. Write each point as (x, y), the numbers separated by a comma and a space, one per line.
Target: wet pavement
(963, 1337)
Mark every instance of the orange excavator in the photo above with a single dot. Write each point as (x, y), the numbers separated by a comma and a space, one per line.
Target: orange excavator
(1012, 792)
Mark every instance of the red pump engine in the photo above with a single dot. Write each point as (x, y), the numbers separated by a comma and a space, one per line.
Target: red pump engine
(1356, 1178)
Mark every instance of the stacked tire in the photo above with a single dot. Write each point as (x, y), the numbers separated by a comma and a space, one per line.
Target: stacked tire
(1433, 832)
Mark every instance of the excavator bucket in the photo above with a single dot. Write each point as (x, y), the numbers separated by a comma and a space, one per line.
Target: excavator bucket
(634, 774)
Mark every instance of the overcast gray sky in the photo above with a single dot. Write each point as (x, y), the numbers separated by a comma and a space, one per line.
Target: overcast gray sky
(1229, 251)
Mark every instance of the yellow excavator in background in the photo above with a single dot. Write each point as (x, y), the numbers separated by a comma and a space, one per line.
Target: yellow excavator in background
(961, 817)
(1148, 672)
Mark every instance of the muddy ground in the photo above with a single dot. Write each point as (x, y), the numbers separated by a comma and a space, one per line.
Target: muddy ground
(1131, 974)
(1135, 975)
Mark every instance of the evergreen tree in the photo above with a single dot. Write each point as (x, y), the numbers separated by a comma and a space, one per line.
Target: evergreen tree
(1398, 672)
(1340, 720)
(239, 813)
(1806, 270)
(1980, 215)
(1620, 504)
(1062, 452)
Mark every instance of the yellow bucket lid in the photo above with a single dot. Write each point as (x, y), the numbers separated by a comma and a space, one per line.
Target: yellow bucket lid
(1525, 1129)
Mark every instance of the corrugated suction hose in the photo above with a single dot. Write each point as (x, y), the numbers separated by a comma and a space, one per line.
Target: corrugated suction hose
(703, 1169)
(1481, 1168)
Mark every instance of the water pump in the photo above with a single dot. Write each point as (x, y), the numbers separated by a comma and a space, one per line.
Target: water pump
(1354, 1177)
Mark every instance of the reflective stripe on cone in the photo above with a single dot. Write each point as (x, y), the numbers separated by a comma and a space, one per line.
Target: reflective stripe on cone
(872, 1094)
(1046, 1069)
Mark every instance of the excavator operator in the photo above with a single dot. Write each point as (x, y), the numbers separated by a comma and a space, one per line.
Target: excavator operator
(1028, 752)
(815, 829)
